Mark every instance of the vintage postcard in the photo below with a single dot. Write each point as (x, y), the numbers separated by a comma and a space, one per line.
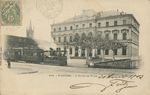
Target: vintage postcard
(74, 47)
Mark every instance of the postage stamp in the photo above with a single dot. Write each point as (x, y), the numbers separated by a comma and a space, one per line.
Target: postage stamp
(10, 12)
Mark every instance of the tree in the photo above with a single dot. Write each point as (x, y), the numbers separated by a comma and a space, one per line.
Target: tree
(114, 45)
(105, 44)
(101, 44)
(88, 42)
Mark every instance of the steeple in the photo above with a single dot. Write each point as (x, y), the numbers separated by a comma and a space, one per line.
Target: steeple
(30, 26)
(30, 31)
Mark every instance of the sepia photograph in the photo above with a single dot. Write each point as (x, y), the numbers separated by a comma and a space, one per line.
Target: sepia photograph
(74, 47)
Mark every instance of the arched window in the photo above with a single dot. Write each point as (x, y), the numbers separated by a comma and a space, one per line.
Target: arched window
(76, 51)
(54, 29)
(124, 51)
(98, 51)
(70, 38)
(65, 28)
(106, 52)
(83, 36)
(99, 37)
(59, 39)
(124, 36)
(70, 50)
(107, 36)
(70, 27)
(65, 39)
(76, 37)
(90, 36)
(115, 52)
(115, 36)
(83, 52)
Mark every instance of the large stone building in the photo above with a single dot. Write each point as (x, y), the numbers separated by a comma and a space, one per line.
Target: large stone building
(109, 25)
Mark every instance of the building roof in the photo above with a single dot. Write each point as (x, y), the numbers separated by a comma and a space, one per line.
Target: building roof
(86, 15)
(90, 15)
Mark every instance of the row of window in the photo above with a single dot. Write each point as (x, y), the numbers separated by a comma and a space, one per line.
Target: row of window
(124, 51)
(115, 37)
(90, 25)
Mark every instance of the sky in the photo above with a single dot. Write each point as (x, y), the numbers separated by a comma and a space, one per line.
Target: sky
(70, 8)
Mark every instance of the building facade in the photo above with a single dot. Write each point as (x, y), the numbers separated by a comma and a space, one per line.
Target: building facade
(109, 25)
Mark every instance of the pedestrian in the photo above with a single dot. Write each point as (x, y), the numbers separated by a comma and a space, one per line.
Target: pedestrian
(8, 59)
(8, 62)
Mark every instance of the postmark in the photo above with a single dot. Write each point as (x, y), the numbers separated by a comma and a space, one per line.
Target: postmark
(10, 12)
(49, 8)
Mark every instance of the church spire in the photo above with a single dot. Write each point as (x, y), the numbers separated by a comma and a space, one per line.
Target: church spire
(29, 31)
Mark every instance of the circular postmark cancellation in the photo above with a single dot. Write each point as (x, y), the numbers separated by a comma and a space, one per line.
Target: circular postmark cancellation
(49, 8)
(10, 13)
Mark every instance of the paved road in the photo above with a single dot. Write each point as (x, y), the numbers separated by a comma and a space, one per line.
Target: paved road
(74, 67)
(35, 79)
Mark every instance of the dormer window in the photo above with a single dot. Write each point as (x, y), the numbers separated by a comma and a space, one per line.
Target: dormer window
(54, 29)
(90, 24)
(70, 27)
(124, 22)
(77, 26)
(115, 23)
(83, 25)
(65, 28)
(59, 29)
(107, 24)
(99, 24)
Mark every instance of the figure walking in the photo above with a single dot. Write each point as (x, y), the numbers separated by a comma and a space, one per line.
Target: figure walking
(8, 62)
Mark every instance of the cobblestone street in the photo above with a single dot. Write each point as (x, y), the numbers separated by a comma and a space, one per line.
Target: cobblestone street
(36, 79)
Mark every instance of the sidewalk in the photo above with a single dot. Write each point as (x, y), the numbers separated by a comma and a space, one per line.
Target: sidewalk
(77, 62)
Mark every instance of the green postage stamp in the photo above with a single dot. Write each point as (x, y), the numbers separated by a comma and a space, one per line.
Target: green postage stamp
(10, 13)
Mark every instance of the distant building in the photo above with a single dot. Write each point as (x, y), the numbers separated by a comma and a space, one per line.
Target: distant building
(109, 25)
(22, 49)
(30, 31)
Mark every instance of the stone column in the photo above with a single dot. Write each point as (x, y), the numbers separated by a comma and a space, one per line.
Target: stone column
(86, 53)
(68, 53)
(73, 51)
(93, 52)
(79, 52)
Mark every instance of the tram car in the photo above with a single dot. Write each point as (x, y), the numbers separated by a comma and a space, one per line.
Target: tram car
(55, 57)
(12, 54)
(32, 55)
(27, 55)
(38, 56)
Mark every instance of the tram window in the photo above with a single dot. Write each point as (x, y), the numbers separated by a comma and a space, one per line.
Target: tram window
(34, 54)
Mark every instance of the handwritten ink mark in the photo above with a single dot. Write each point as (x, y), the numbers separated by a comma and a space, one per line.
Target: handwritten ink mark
(120, 83)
